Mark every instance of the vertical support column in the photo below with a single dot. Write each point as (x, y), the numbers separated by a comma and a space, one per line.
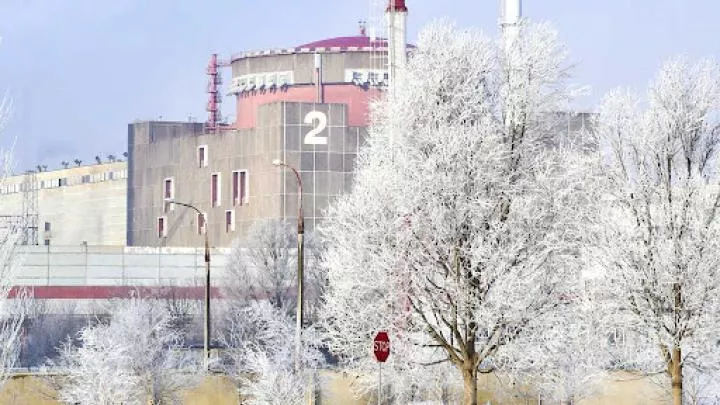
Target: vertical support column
(206, 330)
(396, 14)
(318, 77)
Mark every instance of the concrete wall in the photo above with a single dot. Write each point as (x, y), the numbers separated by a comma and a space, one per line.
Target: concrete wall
(356, 98)
(160, 151)
(176, 158)
(116, 266)
(326, 170)
(81, 204)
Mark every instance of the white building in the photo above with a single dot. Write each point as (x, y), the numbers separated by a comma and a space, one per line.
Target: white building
(72, 206)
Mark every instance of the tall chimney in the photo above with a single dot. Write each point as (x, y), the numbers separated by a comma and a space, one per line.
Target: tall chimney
(396, 13)
(511, 12)
(510, 21)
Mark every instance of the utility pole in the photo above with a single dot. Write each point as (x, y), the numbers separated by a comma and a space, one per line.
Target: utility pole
(206, 306)
(300, 266)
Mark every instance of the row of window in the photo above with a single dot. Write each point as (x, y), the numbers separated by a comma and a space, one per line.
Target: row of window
(229, 223)
(240, 189)
(240, 192)
(261, 81)
(371, 76)
(64, 181)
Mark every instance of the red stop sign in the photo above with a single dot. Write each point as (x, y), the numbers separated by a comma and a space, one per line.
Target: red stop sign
(381, 346)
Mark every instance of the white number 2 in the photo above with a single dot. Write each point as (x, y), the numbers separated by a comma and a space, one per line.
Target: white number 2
(311, 137)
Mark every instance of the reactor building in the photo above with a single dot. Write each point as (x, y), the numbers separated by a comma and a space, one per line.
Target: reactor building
(305, 106)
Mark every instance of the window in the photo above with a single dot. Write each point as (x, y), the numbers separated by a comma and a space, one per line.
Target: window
(241, 83)
(229, 221)
(168, 194)
(271, 79)
(240, 187)
(85, 179)
(111, 175)
(162, 227)
(168, 191)
(202, 156)
(63, 182)
(47, 242)
(47, 226)
(201, 223)
(215, 190)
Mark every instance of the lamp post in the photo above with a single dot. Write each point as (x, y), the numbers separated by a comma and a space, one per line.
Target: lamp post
(300, 260)
(206, 309)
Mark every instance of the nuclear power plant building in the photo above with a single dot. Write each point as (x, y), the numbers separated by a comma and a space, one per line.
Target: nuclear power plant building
(307, 107)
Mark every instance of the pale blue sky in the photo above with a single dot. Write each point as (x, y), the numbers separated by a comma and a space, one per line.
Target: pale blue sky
(80, 70)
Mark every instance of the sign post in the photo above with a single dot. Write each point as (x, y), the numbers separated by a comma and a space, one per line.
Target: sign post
(381, 350)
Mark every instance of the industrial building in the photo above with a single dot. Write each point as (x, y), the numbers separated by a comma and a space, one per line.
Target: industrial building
(307, 106)
(106, 230)
(80, 204)
(106, 224)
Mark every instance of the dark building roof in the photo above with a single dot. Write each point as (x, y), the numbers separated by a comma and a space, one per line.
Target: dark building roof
(397, 5)
(345, 42)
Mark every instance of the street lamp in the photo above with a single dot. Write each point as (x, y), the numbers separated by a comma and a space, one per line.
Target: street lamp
(206, 332)
(300, 260)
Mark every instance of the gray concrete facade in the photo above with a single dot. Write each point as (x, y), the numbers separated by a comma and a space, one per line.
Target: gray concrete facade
(162, 151)
(75, 205)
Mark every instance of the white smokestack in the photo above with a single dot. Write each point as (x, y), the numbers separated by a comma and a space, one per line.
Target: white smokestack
(396, 14)
(511, 12)
(510, 21)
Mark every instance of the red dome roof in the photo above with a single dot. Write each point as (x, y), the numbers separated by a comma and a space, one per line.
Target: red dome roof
(345, 42)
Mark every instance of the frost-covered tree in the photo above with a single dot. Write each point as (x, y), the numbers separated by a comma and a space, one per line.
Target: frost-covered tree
(701, 387)
(134, 357)
(14, 304)
(661, 211)
(258, 323)
(566, 358)
(259, 343)
(46, 327)
(263, 266)
(466, 203)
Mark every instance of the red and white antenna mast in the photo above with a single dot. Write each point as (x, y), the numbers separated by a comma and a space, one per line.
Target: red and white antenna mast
(214, 121)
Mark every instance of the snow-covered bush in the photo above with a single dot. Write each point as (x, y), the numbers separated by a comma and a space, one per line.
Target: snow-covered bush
(260, 341)
(133, 357)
